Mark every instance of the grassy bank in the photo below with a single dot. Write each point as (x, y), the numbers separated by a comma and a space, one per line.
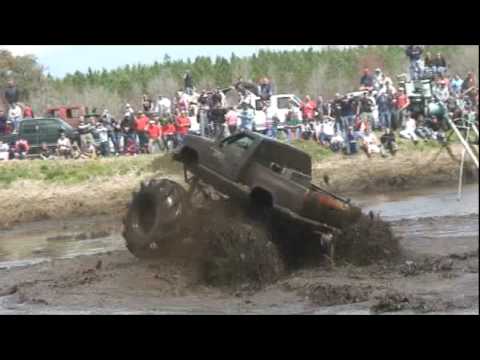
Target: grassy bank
(35, 190)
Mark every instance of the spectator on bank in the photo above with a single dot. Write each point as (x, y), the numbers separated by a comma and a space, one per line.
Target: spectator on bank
(231, 119)
(293, 124)
(163, 107)
(169, 135)
(188, 83)
(378, 79)
(409, 131)
(4, 151)
(21, 149)
(154, 131)
(327, 131)
(402, 102)
(141, 122)
(456, 85)
(321, 109)
(246, 117)
(146, 103)
(3, 123)
(85, 129)
(468, 83)
(15, 116)
(265, 89)
(441, 92)
(182, 123)
(46, 153)
(27, 112)
(370, 143)
(439, 64)
(365, 109)
(366, 81)
(64, 146)
(351, 141)
(308, 109)
(271, 121)
(11, 93)
(414, 53)
(388, 142)
(337, 142)
(385, 108)
(102, 132)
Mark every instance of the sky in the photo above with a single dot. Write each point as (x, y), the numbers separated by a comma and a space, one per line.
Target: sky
(63, 59)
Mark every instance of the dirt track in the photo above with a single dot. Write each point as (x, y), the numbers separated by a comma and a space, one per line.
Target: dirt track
(436, 281)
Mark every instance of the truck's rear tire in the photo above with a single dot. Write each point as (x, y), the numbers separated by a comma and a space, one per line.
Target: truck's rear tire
(154, 217)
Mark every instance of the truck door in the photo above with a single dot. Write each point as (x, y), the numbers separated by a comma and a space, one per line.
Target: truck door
(29, 131)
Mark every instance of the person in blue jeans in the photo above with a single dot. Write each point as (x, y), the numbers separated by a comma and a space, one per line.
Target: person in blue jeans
(385, 108)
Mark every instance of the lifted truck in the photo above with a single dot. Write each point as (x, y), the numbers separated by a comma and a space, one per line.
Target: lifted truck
(261, 173)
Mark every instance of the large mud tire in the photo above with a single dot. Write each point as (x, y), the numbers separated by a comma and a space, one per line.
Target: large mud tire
(240, 252)
(155, 216)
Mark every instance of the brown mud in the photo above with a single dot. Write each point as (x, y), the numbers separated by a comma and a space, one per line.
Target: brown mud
(117, 282)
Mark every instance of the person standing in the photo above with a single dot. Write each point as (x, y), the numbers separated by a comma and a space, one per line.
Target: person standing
(182, 124)
(154, 136)
(188, 83)
(366, 81)
(414, 53)
(15, 116)
(102, 132)
(385, 106)
(246, 117)
(141, 122)
(231, 119)
(308, 109)
(168, 134)
(402, 102)
(3, 123)
(27, 112)
(11, 93)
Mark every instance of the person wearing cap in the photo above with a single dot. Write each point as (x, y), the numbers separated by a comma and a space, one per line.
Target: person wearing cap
(154, 136)
(402, 102)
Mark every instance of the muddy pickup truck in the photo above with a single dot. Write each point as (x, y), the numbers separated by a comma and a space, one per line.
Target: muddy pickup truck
(248, 168)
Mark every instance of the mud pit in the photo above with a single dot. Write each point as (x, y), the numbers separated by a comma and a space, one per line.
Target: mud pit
(436, 273)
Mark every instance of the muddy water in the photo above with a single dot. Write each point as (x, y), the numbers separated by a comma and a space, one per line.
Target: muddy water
(33, 243)
(42, 241)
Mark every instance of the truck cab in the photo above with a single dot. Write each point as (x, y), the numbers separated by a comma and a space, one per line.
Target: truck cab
(70, 114)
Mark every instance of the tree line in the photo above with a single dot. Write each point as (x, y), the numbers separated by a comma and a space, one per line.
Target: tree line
(307, 71)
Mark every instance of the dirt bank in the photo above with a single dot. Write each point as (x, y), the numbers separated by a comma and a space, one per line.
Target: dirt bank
(117, 282)
(34, 199)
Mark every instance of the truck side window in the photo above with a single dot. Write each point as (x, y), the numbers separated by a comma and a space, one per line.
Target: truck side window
(243, 142)
(29, 128)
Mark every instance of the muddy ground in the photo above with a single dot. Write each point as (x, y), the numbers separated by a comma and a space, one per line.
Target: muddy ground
(437, 273)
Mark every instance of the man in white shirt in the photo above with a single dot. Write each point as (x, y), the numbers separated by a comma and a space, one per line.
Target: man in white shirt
(15, 116)
(409, 131)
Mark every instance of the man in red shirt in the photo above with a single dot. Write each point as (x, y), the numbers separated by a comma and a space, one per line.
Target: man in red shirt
(154, 136)
(308, 109)
(182, 123)
(141, 122)
(402, 102)
(168, 134)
